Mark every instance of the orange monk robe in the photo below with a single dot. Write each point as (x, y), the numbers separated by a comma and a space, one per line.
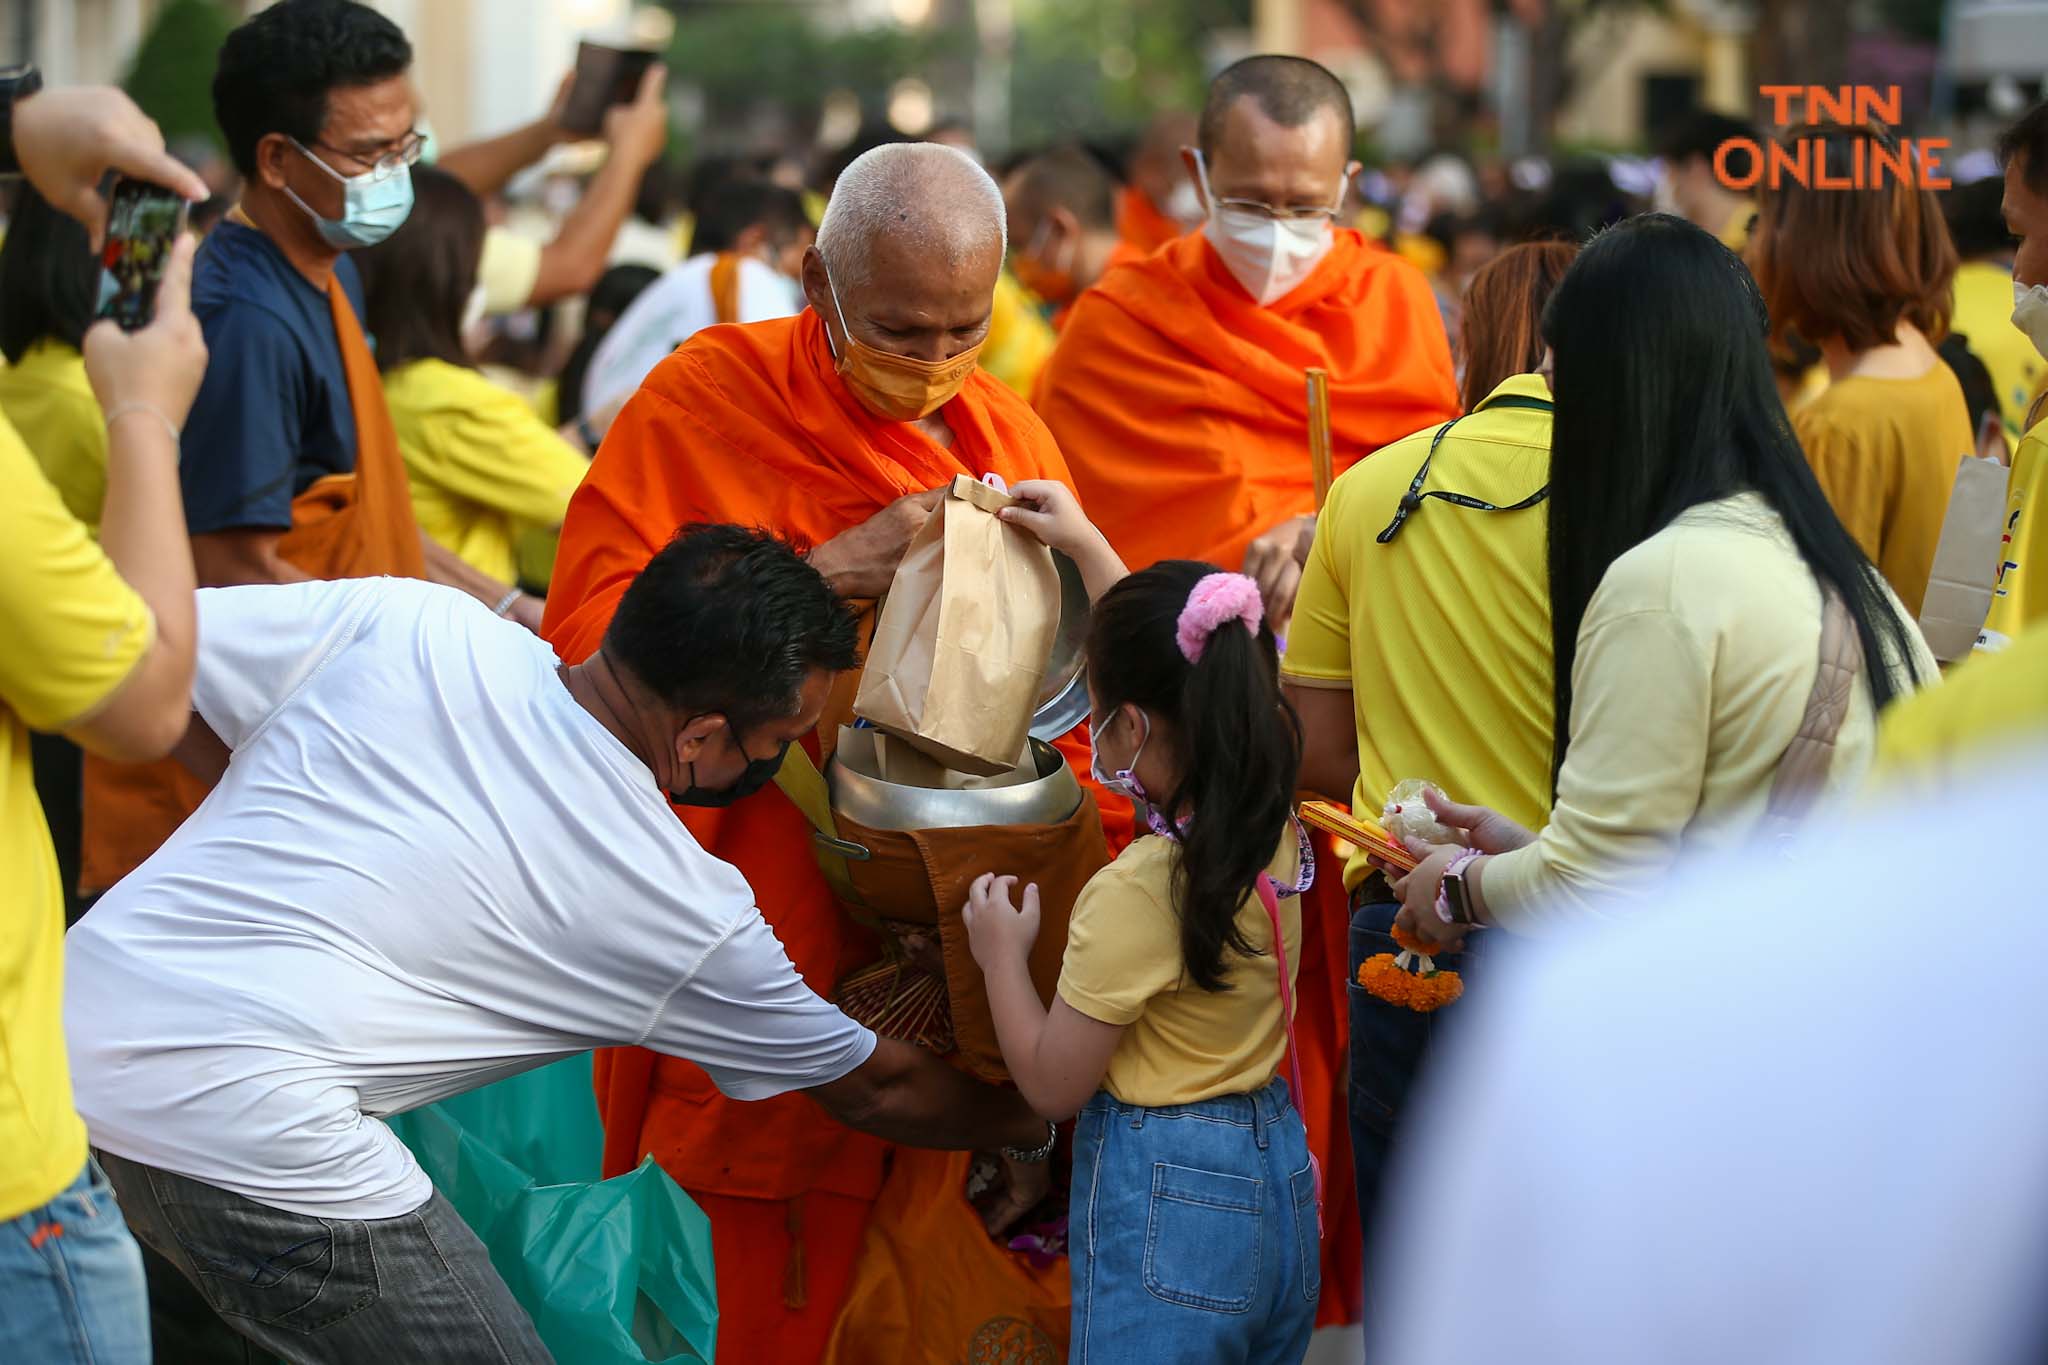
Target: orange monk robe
(1141, 225)
(751, 425)
(1181, 407)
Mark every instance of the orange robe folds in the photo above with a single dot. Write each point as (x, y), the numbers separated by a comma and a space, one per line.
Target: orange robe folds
(1181, 406)
(1142, 228)
(751, 425)
(355, 525)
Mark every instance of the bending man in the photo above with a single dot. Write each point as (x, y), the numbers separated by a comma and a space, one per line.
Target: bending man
(438, 857)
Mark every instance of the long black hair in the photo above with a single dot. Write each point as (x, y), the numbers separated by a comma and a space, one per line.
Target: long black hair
(1665, 401)
(417, 281)
(49, 278)
(609, 298)
(1236, 740)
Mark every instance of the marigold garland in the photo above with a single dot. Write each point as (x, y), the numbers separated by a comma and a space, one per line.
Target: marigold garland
(1411, 980)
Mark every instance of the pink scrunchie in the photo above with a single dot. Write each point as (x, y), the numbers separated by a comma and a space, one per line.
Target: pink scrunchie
(1218, 598)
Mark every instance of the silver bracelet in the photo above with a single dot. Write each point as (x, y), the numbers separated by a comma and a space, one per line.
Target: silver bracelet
(1042, 1152)
(120, 410)
(505, 602)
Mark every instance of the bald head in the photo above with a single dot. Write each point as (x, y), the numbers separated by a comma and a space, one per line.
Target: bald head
(907, 258)
(934, 200)
(1064, 178)
(1289, 91)
(1276, 131)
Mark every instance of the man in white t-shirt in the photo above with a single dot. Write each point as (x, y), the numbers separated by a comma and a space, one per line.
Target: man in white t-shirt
(438, 857)
(747, 248)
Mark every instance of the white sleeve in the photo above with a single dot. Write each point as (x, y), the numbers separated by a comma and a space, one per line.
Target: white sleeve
(259, 644)
(766, 293)
(749, 1020)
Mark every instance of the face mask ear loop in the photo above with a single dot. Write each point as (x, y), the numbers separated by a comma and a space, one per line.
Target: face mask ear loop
(838, 308)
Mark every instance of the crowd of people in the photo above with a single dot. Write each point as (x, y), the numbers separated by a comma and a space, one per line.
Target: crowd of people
(405, 629)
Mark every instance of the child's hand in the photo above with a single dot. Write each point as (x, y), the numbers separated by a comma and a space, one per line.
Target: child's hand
(1049, 510)
(997, 931)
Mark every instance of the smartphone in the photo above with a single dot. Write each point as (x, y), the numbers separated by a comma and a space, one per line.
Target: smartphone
(605, 76)
(143, 223)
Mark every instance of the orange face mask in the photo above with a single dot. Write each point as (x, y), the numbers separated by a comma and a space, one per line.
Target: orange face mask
(1055, 285)
(898, 388)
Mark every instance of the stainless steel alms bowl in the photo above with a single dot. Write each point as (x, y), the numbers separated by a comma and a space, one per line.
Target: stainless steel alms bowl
(879, 804)
(1063, 700)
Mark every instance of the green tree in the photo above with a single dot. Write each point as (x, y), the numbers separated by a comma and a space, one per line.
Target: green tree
(1085, 67)
(172, 76)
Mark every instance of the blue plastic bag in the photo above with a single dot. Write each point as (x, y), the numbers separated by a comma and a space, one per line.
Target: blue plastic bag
(613, 1272)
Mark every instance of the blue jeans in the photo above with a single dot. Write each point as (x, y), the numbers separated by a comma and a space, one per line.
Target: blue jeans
(71, 1281)
(1192, 1232)
(1389, 1044)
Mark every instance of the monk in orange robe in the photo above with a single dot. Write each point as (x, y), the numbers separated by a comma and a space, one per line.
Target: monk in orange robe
(1062, 226)
(831, 428)
(1158, 202)
(1177, 395)
(1177, 391)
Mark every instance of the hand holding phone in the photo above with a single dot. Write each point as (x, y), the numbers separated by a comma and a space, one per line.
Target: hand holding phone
(160, 366)
(605, 76)
(144, 221)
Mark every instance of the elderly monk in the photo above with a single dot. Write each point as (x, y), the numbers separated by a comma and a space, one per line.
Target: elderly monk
(1177, 391)
(833, 428)
(1158, 202)
(1062, 206)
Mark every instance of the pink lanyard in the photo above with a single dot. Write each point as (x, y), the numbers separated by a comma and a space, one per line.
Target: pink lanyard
(1269, 898)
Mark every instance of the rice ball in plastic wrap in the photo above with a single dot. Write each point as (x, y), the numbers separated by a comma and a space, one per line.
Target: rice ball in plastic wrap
(1407, 815)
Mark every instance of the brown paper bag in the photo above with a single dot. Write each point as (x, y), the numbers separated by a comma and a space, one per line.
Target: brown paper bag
(1965, 560)
(965, 633)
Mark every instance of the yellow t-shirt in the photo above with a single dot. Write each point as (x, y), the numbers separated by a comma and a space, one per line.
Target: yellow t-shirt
(481, 465)
(2019, 603)
(72, 632)
(1019, 340)
(49, 402)
(1124, 966)
(508, 270)
(1885, 451)
(1694, 665)
(1442, 634)
(1988, 700)
(1983, 314)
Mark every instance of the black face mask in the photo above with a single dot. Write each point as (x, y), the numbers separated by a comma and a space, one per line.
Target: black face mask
(758, 773)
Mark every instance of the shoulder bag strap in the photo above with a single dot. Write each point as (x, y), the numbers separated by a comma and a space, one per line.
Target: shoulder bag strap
(1269, 898)
(1803, 770)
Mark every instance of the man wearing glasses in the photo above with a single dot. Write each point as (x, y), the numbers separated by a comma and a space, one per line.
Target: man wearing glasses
(289, 466)
(1177, 391)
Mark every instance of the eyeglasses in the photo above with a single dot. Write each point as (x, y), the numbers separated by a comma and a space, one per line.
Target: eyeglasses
(407, 153)
(1281, 215)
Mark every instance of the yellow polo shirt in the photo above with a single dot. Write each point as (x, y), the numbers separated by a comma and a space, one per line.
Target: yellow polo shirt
(72, 632)
(1986, 706)
(1442, 634)
(1983, 313)
(2018, 603)
(482, 466)
(51, 405)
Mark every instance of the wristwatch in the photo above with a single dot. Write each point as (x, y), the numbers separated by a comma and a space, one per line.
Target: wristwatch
(1042, 1152)
(1457, 896)
(16, 83)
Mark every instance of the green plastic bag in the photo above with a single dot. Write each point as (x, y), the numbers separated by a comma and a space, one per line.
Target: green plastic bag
(613, 1272)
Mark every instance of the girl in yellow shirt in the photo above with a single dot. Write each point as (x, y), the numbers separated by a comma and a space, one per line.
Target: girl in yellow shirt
(482, 464)
(1866, 276)
(1193, 1226)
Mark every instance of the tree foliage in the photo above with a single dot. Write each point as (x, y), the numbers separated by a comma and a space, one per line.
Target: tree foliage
(172, 75)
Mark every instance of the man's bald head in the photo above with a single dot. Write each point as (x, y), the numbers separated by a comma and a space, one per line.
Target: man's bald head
(935, 201)
(1290, 91)
(1064, 178)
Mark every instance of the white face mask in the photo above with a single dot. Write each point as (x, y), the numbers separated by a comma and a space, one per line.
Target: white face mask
(2030, 313)
(1183, 205)
(1269, 257)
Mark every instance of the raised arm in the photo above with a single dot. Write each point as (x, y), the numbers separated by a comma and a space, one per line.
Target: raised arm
(1049, 510)
(572, 263)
